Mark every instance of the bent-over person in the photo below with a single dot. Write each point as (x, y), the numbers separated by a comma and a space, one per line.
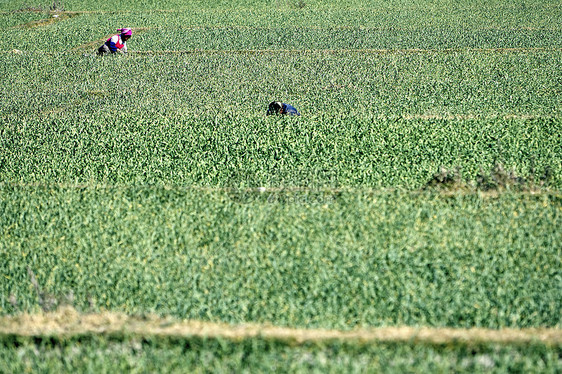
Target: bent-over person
(277, 107)
(117, 43)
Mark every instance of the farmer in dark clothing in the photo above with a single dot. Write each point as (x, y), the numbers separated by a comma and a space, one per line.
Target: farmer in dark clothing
(277, 107)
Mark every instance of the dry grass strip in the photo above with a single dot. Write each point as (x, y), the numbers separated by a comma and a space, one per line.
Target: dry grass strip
(67, 322)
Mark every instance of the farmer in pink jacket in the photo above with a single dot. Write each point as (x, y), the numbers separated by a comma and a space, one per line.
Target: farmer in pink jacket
(117, 43)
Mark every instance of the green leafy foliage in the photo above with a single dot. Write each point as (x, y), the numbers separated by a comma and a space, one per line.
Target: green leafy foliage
(215, 355)
(154, 182)
(226, 151)
(334, 260)
(370, 120)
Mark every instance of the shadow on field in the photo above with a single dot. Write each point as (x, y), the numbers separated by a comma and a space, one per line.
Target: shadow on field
(497, 179)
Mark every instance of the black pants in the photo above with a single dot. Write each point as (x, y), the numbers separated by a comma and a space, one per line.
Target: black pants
(103, 49)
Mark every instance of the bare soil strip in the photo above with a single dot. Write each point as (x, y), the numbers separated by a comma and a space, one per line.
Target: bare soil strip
(67, 322)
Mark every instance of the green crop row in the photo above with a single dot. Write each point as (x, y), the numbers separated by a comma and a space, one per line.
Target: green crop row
(444, 85)
(154, 182)
(194, 355)
(429, 7)
(12, 20)
(430, 25)
(77, 31)
(373, 120)
(296, 38)
(501, 17)
(294, 258)
(232, 152)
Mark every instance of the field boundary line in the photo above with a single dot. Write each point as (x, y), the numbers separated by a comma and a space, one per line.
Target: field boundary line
(467, 191)
(335, 27)
(67, 322)
(279, 9)
(337, 51)
(83, 48)
(342, 27)
(62, 15)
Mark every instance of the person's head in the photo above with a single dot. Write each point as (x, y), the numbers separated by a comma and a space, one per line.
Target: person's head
(125, 33)
(274, 108)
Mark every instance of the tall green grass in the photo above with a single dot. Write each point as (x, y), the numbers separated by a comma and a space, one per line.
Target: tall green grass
(372, 120)
(125, 179)
(444, 85)
(212, 355)
(333, 260)
(154, 182)
(296, 152)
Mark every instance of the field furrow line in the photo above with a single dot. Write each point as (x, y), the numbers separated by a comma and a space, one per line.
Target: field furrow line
(67, 323)
(539, 191)
(342, 50)
(84, 47)
(463, 8)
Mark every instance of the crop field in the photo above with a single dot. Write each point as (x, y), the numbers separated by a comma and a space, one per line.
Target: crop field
(153, 218)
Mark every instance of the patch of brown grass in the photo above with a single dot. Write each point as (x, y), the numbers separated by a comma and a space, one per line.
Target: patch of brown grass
(67, 322)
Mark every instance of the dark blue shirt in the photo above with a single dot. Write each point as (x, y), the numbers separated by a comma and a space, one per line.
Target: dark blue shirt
(290, 110)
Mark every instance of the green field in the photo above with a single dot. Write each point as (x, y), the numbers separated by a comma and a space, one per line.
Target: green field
(91, 354)
(421, 186)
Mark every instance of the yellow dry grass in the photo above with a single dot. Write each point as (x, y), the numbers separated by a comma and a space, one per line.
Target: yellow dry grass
(67, 322)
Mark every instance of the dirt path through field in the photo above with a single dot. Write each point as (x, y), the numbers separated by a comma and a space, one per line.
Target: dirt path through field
(68, 322)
